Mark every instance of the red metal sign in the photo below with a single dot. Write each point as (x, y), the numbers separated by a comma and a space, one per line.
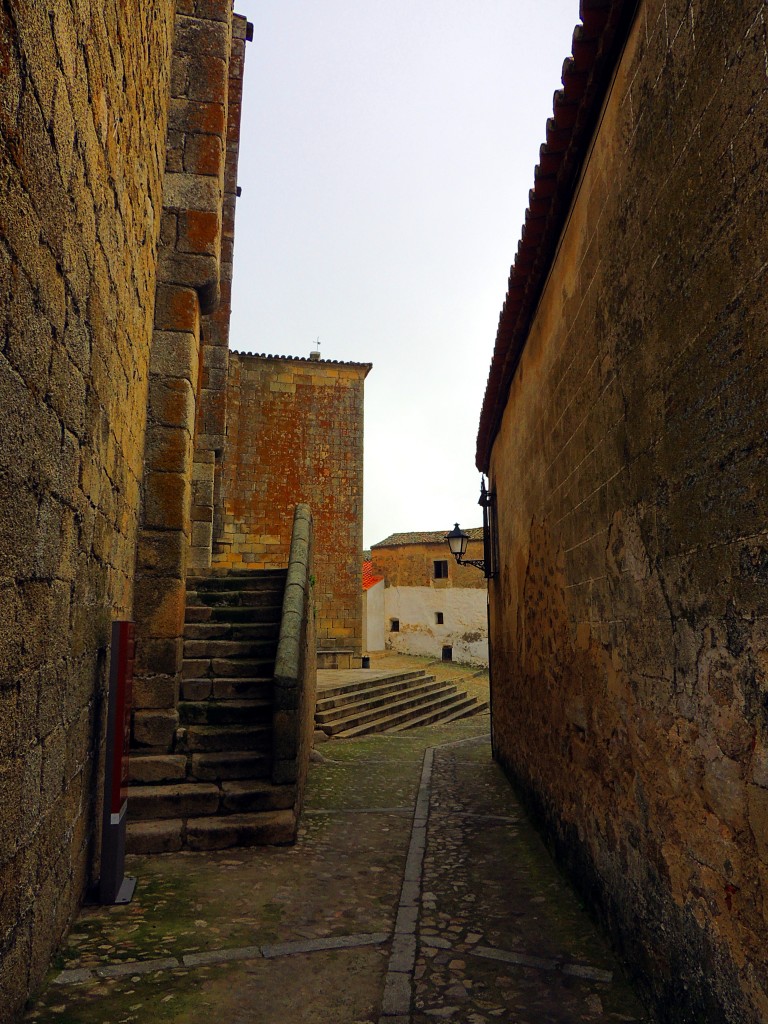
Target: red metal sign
(124, 650)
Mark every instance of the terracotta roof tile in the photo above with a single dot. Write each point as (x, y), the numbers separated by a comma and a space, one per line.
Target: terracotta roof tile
(436, 537)
(301, 359)
(370, 579)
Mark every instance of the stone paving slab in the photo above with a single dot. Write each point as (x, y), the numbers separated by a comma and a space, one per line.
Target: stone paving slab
(417, 892)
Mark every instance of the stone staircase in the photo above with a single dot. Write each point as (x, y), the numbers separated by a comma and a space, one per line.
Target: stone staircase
(214, 790)
(365, 701)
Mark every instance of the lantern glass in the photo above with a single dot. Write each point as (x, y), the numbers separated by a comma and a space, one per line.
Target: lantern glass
(457, 541)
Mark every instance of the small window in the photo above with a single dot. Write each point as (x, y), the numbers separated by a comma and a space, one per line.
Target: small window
(439, 618)
(447, 654)
(394, 625)
(441, 569)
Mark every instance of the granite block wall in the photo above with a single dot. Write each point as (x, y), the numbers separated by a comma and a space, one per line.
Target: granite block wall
(629, 622)
(295, 434)
(83, 116)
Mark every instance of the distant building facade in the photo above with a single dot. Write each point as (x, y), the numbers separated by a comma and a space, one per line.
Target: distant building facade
(295, 433)
(373, 609)
(432, 606)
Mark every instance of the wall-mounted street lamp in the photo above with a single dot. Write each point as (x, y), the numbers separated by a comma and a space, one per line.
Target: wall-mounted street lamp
(458, 539)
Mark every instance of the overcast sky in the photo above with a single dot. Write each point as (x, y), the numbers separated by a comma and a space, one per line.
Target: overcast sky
(387, 151)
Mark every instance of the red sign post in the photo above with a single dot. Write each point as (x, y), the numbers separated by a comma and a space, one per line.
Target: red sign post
(113, 886)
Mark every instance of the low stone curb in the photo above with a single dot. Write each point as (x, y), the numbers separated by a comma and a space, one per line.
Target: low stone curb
(80, 975)
(398, 984)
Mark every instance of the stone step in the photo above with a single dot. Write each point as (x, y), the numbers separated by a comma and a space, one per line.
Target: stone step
(230, 764)
(227, 689)
(214, 833)
(360, 715)
(154, 769)
(256, 795)
(380, 692)
(465, 709)
(363, 680)
(373, 697)
(255, 579)
(408, 718)
(178, 799)
(221, 738)
(196, 613)
(225, 712)
(260, 648)
(232, 630)
(235, 598)
(228, 668)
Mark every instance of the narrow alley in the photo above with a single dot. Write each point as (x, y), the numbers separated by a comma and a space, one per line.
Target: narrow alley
(418, 891)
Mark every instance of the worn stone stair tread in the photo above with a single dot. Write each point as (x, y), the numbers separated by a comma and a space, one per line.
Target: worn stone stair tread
(221, 738)
(232, 711)
(365, 680)
(216, 577)
(233, 598)
(173, 799)
(256, 795)
(380, 692)
(465, 710)
(394, 710)
(260, 647)
(224, 613)
(227, 668)
(259, 828)
(165, 835)
(373, 699)
(223, 630)
(224, 765)
(425, 715)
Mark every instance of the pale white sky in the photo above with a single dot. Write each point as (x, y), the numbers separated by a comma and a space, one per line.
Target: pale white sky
(387, 151)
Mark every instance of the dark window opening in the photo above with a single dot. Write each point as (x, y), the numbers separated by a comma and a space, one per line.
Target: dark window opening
(447, 654)
(394, 625)
(439, 618)
(441, 569)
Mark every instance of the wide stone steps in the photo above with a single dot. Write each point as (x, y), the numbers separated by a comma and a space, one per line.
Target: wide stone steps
(371, 703)
(214, 789)
(460, 707)
(390, 703)
(345, 692)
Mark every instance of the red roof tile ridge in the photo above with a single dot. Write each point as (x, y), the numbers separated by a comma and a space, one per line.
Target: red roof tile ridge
(596, 45)
(425, 537)
(299, 359)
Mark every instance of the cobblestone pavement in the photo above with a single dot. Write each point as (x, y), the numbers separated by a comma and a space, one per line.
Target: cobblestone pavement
(417, 892)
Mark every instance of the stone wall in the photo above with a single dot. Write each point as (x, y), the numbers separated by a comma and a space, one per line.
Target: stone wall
(211, 416)
(629, 622)
(83, 115)
(295, 434)
(413, 565)
(188, 293)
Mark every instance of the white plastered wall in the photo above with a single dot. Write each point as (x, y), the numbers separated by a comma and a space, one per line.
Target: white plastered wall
(374, 618)
(464, 627)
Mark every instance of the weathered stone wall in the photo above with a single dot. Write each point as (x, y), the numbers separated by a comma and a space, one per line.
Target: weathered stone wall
(630, 618)
(412, 565)
(83, 115)
(211, 417)
(188, 289)
(295, 434)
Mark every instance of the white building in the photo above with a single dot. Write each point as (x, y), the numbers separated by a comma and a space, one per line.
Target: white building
(432, 606)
